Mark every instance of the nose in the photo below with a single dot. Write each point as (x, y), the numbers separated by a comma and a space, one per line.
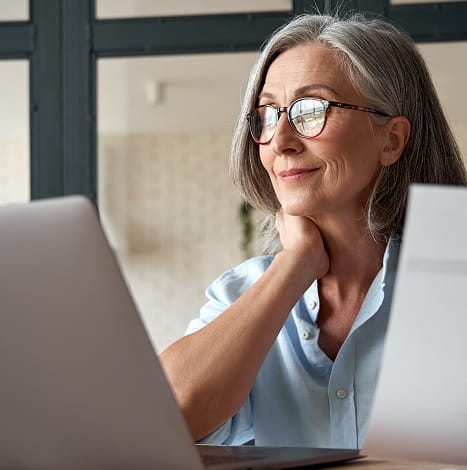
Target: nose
(285, 141)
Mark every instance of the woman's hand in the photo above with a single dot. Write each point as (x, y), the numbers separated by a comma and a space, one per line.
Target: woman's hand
(301, 237)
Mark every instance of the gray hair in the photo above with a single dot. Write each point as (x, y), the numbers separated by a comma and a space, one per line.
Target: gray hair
(382, 64)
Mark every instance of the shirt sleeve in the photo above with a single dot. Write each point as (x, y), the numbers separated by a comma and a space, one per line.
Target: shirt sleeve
(221, 294)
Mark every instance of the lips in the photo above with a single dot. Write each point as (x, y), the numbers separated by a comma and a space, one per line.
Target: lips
(291, 172)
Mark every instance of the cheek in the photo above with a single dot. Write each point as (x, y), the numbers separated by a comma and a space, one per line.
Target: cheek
(266, 159)
(350, 160)
(353, 148)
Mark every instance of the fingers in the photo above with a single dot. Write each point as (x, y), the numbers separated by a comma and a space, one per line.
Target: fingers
(301, 239)
(294, 230)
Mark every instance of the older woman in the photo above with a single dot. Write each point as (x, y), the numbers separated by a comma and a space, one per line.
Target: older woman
(339, 117)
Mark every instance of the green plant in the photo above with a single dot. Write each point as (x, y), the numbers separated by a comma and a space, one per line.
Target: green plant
(246, 219)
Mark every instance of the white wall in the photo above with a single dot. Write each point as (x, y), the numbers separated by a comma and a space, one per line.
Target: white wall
(171, 210)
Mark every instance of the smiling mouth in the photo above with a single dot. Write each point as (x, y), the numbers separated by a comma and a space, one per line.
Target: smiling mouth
(296, 173)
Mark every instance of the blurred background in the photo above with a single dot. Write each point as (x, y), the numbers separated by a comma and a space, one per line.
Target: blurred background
(159, 127)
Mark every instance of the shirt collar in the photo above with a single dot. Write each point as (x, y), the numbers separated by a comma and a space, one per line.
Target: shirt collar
(383, 281)
(382, 284)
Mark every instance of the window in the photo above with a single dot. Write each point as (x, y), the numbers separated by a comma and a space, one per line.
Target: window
(139, 8)
(166, 198)
(14, 131)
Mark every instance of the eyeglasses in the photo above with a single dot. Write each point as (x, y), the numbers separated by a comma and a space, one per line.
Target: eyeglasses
(307, 117)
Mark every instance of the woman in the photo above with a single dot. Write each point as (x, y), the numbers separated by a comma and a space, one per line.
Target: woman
(339, 117)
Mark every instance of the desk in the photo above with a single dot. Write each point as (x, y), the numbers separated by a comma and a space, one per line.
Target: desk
(377, 463)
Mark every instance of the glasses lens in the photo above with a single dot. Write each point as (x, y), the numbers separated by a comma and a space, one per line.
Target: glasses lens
(307, 116)
(262, 123)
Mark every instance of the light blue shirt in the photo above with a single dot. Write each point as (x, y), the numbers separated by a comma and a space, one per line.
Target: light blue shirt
(300, 396)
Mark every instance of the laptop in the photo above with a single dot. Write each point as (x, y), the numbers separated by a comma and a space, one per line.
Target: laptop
(80, 383)
(420, 407)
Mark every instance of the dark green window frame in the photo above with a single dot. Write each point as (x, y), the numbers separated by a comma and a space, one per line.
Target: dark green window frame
(63, 40)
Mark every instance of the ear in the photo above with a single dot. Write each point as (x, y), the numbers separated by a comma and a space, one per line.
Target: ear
(396, 135)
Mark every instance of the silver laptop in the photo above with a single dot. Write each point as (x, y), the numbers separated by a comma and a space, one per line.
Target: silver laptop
(420, 409)
(80, 384)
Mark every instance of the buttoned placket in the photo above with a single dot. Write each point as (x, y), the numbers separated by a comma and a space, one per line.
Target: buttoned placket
(309, 329)
(341, 397)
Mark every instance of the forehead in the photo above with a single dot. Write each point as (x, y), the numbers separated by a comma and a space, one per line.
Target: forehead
(307, 65)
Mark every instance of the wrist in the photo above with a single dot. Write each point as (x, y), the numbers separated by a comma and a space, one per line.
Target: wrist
(299, 267)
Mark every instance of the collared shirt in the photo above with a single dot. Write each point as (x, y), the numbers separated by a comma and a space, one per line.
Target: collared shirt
(300, 396)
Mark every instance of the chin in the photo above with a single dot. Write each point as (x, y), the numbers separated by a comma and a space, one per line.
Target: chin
(301, 203)
(300, 210)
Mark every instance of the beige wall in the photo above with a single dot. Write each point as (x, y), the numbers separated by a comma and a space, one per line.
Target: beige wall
(171, 211)
(14, 170)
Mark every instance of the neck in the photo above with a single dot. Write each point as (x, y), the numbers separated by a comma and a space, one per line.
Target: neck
(355, 256)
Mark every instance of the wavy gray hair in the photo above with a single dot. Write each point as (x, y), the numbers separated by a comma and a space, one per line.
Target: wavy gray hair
(385, 67)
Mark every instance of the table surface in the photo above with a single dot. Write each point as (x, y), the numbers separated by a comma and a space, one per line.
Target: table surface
(381, 463)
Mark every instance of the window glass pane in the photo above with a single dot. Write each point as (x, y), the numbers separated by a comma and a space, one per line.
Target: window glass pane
(447, 62)
(138, 8)
(14, 10)
(166, 199)
(14, 131)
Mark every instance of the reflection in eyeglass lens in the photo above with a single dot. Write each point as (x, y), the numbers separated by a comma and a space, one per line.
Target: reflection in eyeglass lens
(308, 116)
(267, 120)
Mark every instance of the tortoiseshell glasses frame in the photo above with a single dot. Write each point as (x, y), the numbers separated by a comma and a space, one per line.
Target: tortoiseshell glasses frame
(306, 116)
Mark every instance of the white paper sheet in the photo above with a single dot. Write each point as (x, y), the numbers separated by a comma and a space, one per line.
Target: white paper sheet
(420, 408)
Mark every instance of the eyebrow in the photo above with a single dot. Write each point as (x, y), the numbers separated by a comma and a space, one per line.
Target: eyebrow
(302, 90)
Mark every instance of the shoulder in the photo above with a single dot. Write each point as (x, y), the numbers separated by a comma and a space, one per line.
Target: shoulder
(237, 280)
(251, 269)
(227, 288)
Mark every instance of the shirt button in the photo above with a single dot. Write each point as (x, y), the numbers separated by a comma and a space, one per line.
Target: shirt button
(306, 334)
(312, 304)
(341, 393)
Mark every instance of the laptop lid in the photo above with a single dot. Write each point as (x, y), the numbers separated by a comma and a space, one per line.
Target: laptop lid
(420, 408)
(80, 383)
(81, 386)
